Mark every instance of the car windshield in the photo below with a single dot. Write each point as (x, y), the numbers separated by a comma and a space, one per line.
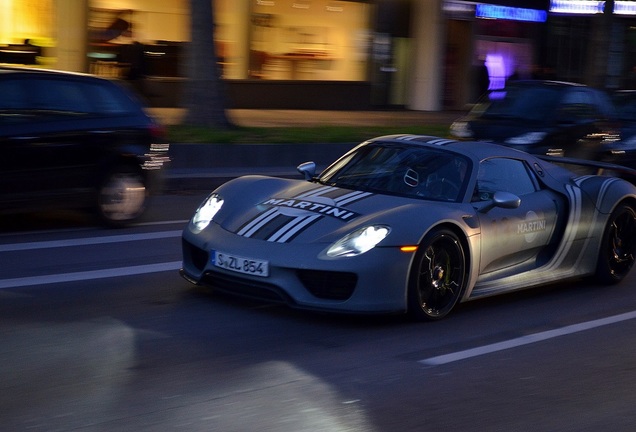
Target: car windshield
(520, 102)
(405, 170)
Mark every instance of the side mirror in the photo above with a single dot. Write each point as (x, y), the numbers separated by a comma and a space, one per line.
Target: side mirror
(307, 169)
(506, 200)
(500, 199)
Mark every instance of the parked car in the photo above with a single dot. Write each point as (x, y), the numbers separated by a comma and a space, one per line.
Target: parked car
(411, 224)
(72, 140)
(545, 117)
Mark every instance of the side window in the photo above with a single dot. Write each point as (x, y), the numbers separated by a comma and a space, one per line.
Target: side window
(107, 99)
(14, 102)
(577, 106)
(60, 95)
(503, 175)
(13, 95)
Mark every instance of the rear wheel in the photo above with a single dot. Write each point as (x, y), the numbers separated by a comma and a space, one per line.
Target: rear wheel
(438, 276)
(618, 246)
(121, 197)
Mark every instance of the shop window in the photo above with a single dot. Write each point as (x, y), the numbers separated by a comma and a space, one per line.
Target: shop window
(305, 40)
(254, 39)
(26, 32)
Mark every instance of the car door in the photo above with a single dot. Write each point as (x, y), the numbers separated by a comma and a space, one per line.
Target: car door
(21, 164)
(513, 237)
(52, 145)
(67, 140)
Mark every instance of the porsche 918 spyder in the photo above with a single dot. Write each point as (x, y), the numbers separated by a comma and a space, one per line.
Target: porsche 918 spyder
(414, 224)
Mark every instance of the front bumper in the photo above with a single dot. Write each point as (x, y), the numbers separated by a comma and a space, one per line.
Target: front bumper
(374, 282)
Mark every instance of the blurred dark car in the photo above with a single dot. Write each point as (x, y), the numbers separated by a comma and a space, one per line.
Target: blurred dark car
(624, 151)
(76, 141)
(625, 103)
(546, 118)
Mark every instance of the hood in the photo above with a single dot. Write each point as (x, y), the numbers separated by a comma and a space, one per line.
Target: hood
(285, 211)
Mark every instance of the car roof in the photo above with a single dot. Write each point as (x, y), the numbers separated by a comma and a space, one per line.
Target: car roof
(475, 149)
(16, 70)
(543, 83)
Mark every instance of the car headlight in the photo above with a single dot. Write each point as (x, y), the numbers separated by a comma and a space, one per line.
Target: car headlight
(527, 138)
(206, 211)
(358, 242)
(461, 129)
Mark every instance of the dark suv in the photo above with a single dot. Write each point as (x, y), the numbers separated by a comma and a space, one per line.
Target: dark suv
(73, 140)
(544, 117)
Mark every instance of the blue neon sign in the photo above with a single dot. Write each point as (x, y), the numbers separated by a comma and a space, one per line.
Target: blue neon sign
(577, 6)
(510, 13)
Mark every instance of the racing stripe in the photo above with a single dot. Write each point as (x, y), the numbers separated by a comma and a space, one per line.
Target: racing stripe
(289, 231)
(571, 227)
(261, 220)
(601, 195)
(299, 224)
(273, 226)
(441, 142)
(317, 192)
(264, 218)
(352, 197)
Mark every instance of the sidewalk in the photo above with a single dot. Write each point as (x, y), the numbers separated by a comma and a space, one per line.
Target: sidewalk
(200, 166)
(287, 118)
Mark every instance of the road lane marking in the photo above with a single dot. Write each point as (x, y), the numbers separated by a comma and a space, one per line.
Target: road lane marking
(89, 275)
(89, 241)
(170, 222)
(526, 340)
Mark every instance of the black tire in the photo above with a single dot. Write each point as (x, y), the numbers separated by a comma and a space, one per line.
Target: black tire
(122, 196)
(618, 246)
(438, 276)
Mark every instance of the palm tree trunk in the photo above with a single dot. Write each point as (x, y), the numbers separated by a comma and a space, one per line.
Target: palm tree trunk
(204, 94)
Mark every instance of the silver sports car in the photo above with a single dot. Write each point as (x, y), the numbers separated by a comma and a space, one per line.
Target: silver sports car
(413, 224)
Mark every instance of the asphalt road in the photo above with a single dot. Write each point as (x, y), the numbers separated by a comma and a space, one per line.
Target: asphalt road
(99, 333)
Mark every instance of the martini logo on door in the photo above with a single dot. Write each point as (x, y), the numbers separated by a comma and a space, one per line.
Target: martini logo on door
(531, 226)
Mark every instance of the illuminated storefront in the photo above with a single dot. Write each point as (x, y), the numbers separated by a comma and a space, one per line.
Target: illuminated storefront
(343, 54)
(593, 42)
(335, 54)
(27, 32)
(488, 44)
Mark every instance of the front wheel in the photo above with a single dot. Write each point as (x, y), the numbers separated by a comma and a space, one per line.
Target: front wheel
(618, 246)
(438, 276)
(121, 197)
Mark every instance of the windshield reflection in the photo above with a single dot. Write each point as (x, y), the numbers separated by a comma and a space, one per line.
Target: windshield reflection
(405, 170)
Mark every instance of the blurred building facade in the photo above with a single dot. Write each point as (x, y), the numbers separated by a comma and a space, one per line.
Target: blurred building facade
(332, 54)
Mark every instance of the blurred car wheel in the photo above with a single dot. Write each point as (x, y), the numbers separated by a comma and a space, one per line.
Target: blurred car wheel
(618, 246)
(121, 196)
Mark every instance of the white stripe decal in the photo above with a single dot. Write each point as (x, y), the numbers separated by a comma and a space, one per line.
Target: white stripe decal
(571, 227)
(344, 200)
(317, 192)
(295, 225)
(264, 218)
(258, 223)
(289, 226)
(440, 142)
(297, 228)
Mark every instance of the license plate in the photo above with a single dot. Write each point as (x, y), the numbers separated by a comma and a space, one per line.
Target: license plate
(240, 264)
